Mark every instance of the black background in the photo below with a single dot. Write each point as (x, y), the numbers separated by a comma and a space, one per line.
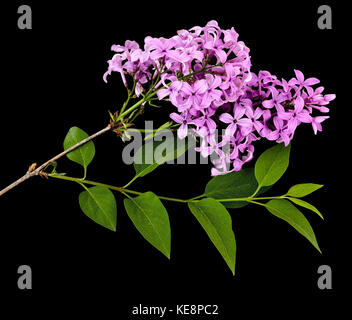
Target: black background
(52, 80)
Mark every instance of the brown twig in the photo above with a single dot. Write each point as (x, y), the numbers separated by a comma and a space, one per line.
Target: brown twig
(33, 171)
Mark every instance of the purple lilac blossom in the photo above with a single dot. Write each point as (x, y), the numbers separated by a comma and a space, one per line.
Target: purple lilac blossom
(205, 73)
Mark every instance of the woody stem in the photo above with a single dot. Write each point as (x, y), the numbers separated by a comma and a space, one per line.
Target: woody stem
(38, 170)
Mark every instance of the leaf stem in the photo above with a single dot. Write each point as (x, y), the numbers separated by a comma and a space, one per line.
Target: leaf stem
(123, 190)
(119, 189)
(250, 198)
(258, 203)
(197, 197)
(130, 182)
(256, 191)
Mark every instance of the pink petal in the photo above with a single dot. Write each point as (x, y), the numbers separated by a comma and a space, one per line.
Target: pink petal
(268, 104)
(105, 75)
(238, 112)
(311, 81)
(292, 125)
(257, 113)
(273, 135)
(304, 117)
(285, 138)
(182, 131)
(329, 97)
(176, 117)
(230, 130)
(237, 165)
(206, 151)
(226, 118)
(266, 115)
(316, 127)
(244, 122)
(321, 118)
(210, 124)
(293, 81)
(162, 93)
(221, 55)
(310, 91)
(299, 104)
(299, 76)
(200, 86)
(282, 114)
(278, 122)
(186, 88)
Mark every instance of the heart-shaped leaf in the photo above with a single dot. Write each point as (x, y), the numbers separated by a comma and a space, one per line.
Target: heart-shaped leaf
(99, 204)
(85, 153)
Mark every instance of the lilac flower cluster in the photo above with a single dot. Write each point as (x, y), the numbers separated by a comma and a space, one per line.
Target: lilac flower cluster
(205, 73)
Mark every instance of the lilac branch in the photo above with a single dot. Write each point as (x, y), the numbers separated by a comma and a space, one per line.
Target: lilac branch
(33, 171)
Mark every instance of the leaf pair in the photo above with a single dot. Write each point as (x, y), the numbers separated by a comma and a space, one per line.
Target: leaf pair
(98, 202)
(231, 188)
(302, 190)
(269, 168)
(150, 218)
(146, 211)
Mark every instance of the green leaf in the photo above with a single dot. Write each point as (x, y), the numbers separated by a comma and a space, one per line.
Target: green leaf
(306, 205)
(146, 159)
(82, 155)
(285, 210)
(144, 169)
(303, 189)
(99, 204)
(239, 184)
(160, 130)
(272, 164)
(216, 222)
(150, 218)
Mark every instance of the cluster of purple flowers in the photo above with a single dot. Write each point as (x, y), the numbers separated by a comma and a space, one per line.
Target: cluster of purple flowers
(205, 73)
